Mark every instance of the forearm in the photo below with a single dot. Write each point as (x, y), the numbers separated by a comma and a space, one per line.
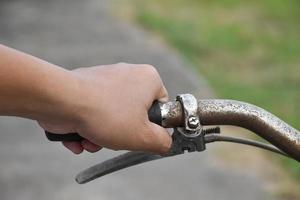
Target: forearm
(33, 88)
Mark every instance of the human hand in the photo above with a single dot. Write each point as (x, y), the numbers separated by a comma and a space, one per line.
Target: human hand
(111, 105)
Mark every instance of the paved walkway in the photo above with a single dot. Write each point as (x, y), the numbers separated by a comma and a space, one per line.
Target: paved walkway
(74, 33)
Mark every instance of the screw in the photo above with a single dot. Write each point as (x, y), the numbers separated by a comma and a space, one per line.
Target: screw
(193, 122)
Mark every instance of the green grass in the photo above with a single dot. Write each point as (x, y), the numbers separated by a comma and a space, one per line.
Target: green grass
(248, 50)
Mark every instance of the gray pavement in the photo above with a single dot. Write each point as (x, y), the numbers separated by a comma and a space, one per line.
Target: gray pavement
(74, 33)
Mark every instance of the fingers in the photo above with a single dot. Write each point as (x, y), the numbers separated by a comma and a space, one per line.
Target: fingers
(161, 140)
(75, 147)
(156, 139)
(160, 92)
(163, 95)
(90, 147)
(78, 147)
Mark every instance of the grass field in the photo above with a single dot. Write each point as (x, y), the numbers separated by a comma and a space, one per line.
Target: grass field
(248, 50)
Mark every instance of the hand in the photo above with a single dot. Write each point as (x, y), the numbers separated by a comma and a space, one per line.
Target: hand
(112, 102)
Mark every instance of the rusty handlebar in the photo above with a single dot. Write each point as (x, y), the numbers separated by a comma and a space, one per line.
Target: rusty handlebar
(236, 113)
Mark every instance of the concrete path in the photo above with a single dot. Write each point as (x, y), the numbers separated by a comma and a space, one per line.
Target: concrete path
(73, 33)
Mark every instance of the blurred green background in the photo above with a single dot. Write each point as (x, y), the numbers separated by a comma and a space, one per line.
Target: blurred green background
(247, 50)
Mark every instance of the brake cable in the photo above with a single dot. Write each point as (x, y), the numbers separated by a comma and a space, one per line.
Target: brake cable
(221, 138)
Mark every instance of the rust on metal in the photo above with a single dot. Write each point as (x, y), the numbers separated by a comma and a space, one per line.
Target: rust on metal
(172, 114)
(236, 113)
(253, 118)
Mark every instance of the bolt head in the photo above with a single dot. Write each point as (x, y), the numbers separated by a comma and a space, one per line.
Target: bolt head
(193, 122)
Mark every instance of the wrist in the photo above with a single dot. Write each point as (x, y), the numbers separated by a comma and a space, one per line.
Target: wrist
(68, 99)
(58, 98)
(73, 100)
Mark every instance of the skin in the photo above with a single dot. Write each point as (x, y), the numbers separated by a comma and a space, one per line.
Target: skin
(107, 105)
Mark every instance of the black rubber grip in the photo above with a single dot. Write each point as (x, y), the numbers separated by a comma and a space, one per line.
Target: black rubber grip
(154, 115)
(70, 137)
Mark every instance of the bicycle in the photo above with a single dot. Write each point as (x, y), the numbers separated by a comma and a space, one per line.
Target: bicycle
(187, 117)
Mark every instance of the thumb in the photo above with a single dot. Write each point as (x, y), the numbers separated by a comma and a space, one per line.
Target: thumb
(160, 140)
(163, 95)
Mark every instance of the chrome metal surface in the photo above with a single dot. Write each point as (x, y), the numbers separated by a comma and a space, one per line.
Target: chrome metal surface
(193, 122)
(258, 120)
(171, 113)
(190, 107)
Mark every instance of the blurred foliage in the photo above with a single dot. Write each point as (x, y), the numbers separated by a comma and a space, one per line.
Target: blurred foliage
(248, 50)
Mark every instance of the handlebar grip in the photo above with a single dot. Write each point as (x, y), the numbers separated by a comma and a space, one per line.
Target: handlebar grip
(154, 115)
(69, 137)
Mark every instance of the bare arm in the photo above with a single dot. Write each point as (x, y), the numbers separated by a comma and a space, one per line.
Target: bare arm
(107, 105)
(31, 87)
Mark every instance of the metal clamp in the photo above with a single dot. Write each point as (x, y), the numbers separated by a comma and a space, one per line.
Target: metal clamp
(192, 125)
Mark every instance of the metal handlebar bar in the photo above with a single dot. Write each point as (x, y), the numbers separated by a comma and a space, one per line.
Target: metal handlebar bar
(236, 113)
(253, 118)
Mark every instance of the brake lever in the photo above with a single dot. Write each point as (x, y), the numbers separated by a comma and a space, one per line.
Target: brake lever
(114, 164)
(180, 143)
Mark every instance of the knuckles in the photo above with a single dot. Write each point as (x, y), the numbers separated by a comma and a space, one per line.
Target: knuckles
(149, 69)
(142, 68)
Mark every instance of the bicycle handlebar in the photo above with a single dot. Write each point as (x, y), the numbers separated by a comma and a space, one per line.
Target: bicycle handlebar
(224, 112)
(253, 118)
(236, 113)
